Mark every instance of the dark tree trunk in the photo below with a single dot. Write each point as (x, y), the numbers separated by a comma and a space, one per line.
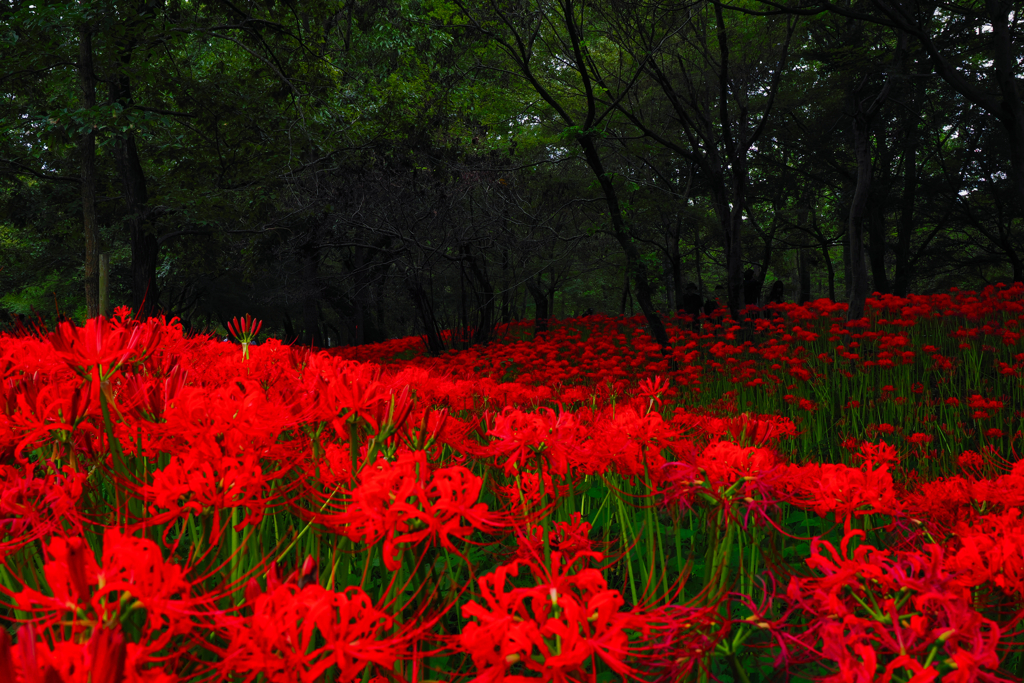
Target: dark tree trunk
(905, 225)
(875, 220)
(506, 304)
(485, 299)
(1011, 107)
(540, 302)
(675, 262)
(858, 207)
(431, 329)
(803, 255)
(768, 248)
(636, 267)
(289, 330)
(862, 120)
(87, 154)
(360, 300)
(144, 245)
(733, 248)
(803, 271)
(311, 298)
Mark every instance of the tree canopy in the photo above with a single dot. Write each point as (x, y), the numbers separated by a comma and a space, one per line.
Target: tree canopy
(351, 170)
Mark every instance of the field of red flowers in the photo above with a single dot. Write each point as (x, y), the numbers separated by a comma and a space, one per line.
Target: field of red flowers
(791, 498)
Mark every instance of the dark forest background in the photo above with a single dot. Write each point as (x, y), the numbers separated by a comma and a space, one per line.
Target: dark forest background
(354, 170)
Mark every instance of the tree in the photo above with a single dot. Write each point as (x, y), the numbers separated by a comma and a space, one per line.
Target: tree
(549, 45)
(719, 79)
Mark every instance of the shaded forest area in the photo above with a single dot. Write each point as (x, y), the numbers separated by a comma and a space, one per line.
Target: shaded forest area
(354, 170)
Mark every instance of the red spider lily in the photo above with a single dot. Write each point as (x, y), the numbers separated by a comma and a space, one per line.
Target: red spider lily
(34, 507)
(103, 344)
(104, 658)
(870, 608)
(244, 331)
(51, 414)
(846, 491)
(147, 398)
(745, 429)
(569, 538)
(681, 639)
(532, 496)
(989, 550)
(651, 390)
(875, 455)
(405, 502)
(204, 478)
(295, 635)
(629, 443)
(133, 575)
(723, 474)
(558, 628)
(525, 441)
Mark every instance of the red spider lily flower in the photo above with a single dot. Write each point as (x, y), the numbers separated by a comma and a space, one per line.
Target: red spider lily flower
(651, 390)
(871, 608)
(971, 462)
(721, 465)
(808, 405)
(846, 491)
(104, 658)
(51, 413)
(245, 329)
(989, 550)
(33, 507)
(348, 389)
(681, 638)
(522, 440)
(407, 503)
(747, 429)
(298, 634)
(146, 398)
(978, 402)
(876, 455)
(724, 474)
(205, 478)
(558, 627)
(569, 538)
(88, 595)
(630, 443)
(523, 499)
(102, 345)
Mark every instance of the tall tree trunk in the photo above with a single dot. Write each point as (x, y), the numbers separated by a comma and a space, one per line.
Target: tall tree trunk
(675, 263)
(905, 224)
(360, 298)
(540, 302)
(144, 245)
(423, 305)
(803, 273)
(803, 254)
(732, 233)
(311, 298)
(862, 120)
(858, 207)
(1011, 107)
(875, 220)
(637, 269)
(484, 297)
(87, 154)
(506, 305)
